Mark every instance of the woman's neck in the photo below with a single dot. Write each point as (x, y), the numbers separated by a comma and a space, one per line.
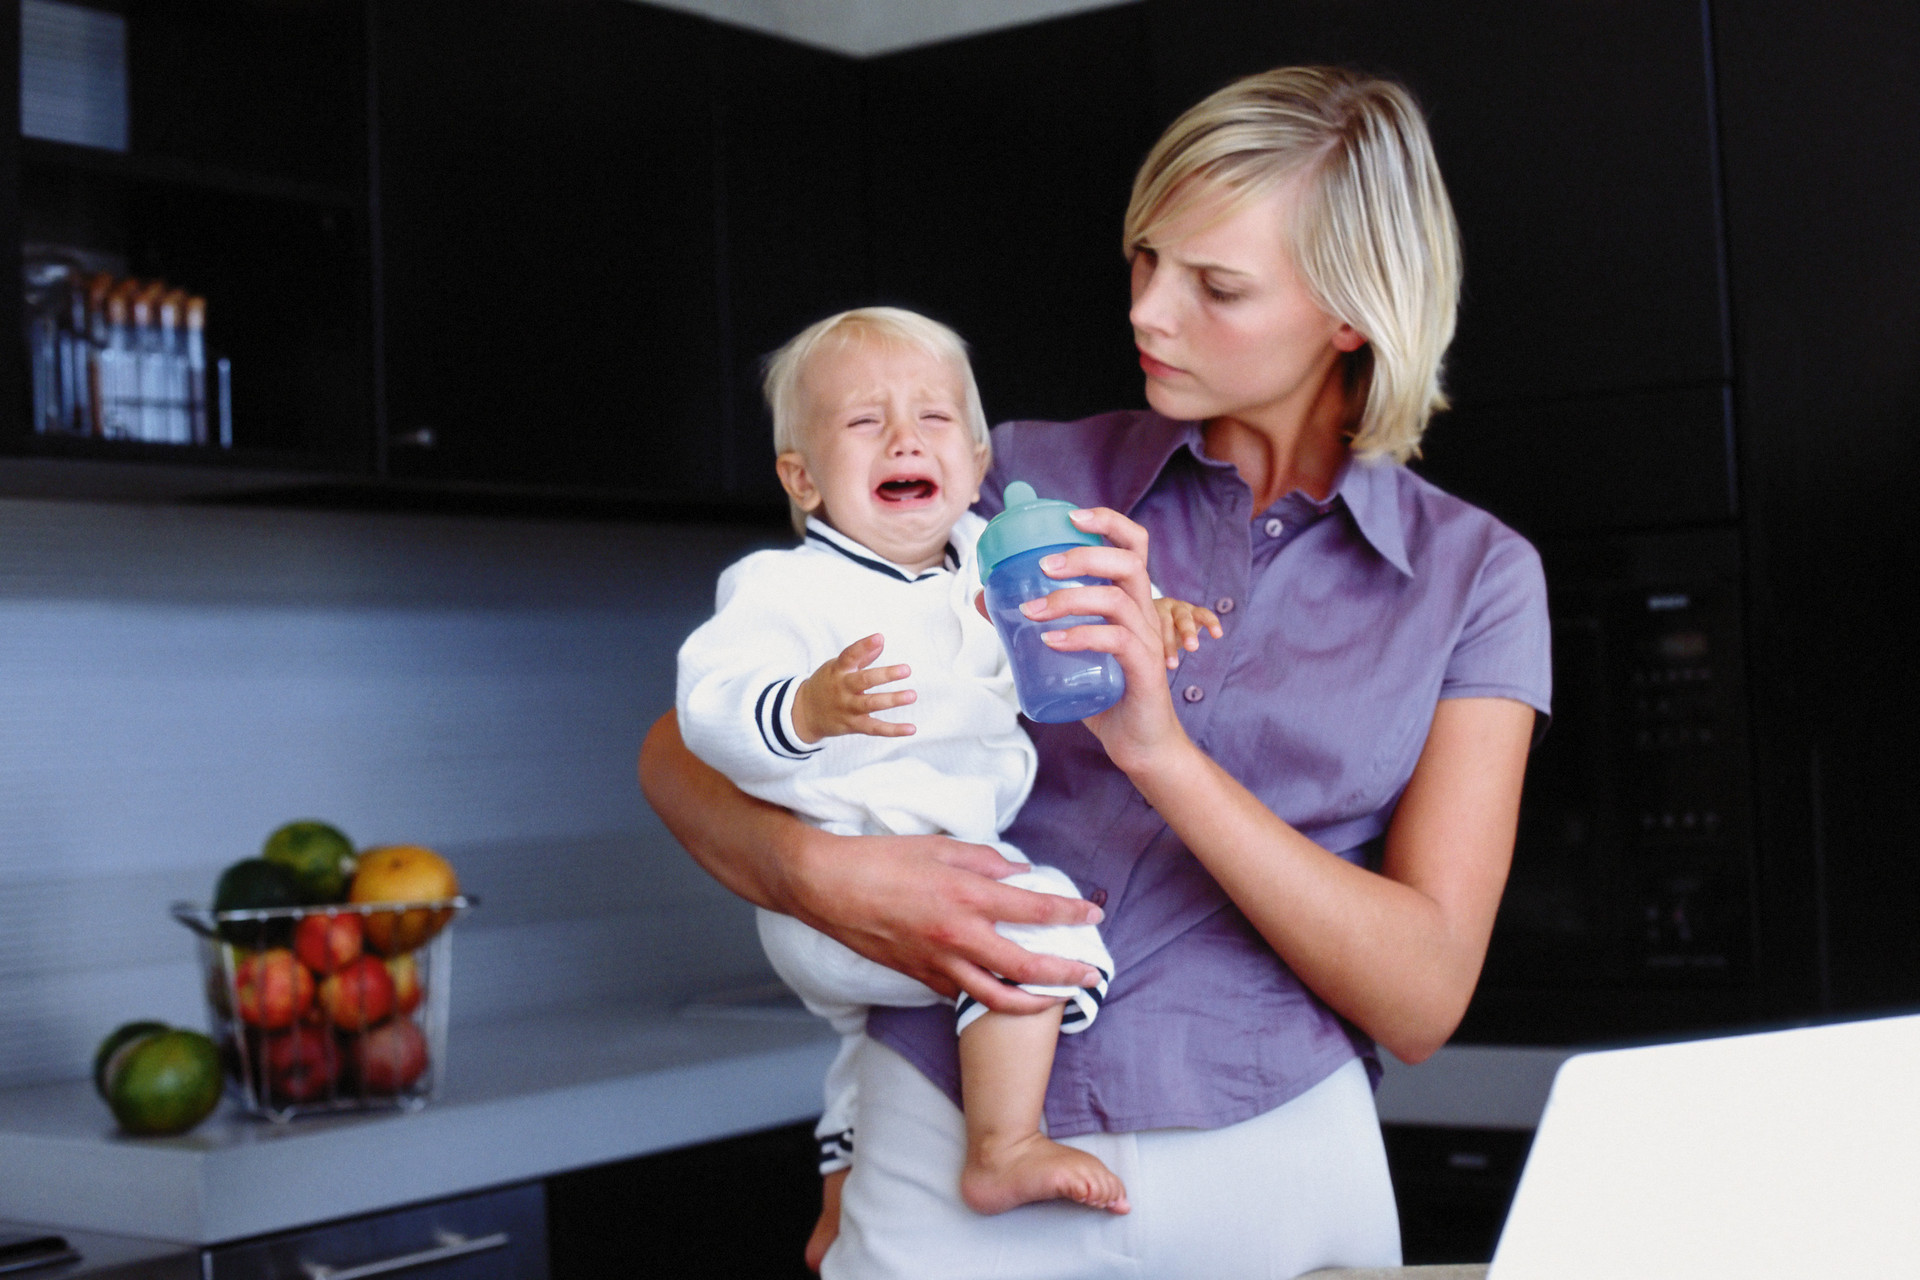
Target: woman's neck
(1287, 448)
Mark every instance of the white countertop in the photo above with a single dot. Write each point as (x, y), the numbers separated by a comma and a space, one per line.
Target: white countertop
(521, 1100)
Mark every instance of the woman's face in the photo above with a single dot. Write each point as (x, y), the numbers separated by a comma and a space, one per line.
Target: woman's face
(1225, 323)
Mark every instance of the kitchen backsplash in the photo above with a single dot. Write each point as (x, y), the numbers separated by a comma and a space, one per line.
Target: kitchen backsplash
(176, 681)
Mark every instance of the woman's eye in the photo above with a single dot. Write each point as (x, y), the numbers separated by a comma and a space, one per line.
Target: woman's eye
(1220, 295)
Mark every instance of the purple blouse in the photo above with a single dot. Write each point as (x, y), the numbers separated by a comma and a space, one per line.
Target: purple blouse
(1346, 622)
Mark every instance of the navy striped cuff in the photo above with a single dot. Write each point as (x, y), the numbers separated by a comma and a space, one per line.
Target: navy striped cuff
(772, 717)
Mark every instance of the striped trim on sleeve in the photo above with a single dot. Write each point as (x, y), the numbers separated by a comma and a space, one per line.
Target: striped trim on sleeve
(772, 716)
(836, 1152)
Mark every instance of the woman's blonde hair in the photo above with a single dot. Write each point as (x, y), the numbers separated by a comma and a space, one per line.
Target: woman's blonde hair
(1373, 233)
(887, 326)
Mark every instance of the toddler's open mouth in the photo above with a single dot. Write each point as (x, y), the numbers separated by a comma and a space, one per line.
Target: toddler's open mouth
(914, 489)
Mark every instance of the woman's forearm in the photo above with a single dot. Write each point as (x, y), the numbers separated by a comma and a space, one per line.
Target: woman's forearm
(1397, 953)
(925, 905)
(746, 844)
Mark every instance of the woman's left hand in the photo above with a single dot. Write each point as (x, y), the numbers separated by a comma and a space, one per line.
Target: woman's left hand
(1142, 724)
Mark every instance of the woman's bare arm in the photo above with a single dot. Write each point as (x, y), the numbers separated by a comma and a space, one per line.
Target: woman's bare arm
(1398, 952)
(924, 905)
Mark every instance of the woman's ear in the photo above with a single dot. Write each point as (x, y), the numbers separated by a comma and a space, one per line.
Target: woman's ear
(1348, 339)
(792, 469)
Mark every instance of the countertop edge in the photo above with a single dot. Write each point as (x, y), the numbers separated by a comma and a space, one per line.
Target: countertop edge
(200, 1195)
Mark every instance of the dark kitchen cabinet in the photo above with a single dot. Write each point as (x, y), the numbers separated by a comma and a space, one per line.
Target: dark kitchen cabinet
(999, 169)
(794, 225)
(1577, 142)
(489, 1235)
(547, 201)
(243, 180)
(739, 1207)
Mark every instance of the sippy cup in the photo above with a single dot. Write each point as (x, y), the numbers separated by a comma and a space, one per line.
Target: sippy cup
(1054, 687)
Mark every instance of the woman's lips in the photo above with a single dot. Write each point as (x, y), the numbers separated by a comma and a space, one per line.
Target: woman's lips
(1156, 368)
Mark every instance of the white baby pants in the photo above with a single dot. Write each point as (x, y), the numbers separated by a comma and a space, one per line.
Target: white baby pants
(840, 984)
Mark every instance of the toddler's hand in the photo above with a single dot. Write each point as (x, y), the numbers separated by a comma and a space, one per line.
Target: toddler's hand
(1180, 626)
(834, 700)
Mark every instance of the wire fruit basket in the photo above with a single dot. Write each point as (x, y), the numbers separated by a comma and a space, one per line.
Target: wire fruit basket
(329, 1008)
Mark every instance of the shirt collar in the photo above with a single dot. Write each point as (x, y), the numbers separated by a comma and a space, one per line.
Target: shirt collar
(1370, 488)
(820, 532)
(1367, 486)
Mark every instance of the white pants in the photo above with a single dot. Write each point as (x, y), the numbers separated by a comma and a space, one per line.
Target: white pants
(840, 985)
(1302, 1187)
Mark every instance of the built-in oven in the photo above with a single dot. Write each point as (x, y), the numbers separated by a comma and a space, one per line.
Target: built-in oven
(1630, 906)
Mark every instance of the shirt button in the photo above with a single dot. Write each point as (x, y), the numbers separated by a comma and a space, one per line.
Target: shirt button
(1098, 897)
(1193, 693)
(1223, 605)
(1274, 527)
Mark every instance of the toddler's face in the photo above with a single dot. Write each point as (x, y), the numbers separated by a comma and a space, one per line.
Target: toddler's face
(886, 457)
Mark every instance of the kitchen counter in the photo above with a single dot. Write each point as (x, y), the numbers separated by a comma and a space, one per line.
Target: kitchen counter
(521, 1100)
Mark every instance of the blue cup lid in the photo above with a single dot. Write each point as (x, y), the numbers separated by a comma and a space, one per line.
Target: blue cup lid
(1029, 523)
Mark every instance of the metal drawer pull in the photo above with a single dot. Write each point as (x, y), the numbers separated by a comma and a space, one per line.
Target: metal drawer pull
(451, 1246)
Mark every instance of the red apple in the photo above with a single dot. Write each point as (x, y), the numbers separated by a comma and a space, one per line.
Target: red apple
(359, 995)
(297, 1065)
(273, 989)
(389, 1058)
(326, 942)
(408, 990)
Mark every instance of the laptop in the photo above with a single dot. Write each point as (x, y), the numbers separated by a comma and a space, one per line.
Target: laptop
(1780, 1154)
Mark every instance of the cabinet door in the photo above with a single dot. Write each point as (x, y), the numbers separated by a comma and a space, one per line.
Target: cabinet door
(495, 1235)
(728, 1210)
(998, 175)
(793, 222)
(547, 204)
(1577, 144)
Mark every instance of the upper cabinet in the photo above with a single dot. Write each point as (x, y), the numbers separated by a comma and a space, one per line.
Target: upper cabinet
(548, 190)
(543, 245)
(189, 224)
(1577, 142)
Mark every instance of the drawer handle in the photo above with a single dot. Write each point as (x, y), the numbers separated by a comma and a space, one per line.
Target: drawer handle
(450, 1246)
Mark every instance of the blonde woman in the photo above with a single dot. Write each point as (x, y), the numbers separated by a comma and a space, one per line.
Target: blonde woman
(1300, 840)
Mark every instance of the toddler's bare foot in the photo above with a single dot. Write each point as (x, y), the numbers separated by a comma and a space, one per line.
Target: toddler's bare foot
(1037, 1168)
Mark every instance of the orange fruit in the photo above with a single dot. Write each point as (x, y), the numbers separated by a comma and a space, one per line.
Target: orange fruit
(403, 873)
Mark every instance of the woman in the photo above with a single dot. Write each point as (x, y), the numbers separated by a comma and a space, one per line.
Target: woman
(1300, 846)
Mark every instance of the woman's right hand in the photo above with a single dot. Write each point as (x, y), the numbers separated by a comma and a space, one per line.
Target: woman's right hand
(924, 905)
(1141, 728)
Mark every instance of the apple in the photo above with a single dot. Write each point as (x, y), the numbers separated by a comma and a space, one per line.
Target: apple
(274, 989)
(326, 942)
(359, 995)
(298, 1064)
(389, 1058)
(408, 990)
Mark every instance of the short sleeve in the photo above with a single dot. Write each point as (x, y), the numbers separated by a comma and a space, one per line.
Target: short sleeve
(1505, 649)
